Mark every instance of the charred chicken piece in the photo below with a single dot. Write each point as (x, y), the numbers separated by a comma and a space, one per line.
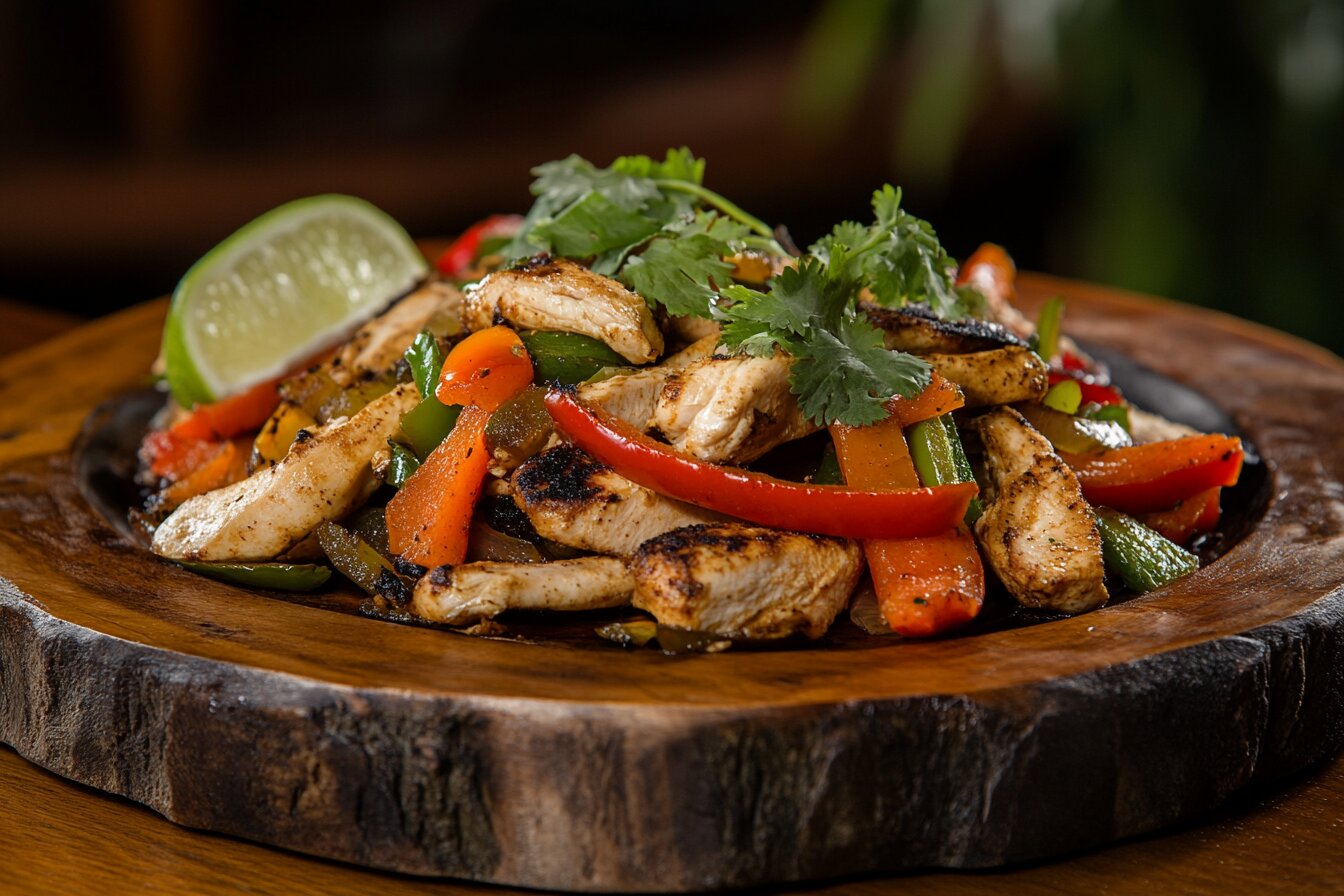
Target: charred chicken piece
(473, 591)
(633, 397)
(1037, 533)
(322, 478)
(381, 342)
(577, 501)
(731, 409)
(745, 581)
(558, 294)
(999, 376)
(916, 329)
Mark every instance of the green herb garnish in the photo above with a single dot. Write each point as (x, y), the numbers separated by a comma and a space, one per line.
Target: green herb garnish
(652, 225)
(655, 227)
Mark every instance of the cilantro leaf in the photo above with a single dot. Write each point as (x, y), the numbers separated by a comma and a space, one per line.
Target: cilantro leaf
(845, 375)
(591, 226)
(898, 258)
(796, 299)
(679, 164)
(842, 371)
(677, 272)
(564, 181)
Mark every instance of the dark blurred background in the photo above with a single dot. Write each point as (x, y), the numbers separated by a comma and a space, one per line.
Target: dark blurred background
(1190, 150)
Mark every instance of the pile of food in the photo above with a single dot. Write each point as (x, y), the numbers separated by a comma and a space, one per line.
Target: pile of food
(640, 395)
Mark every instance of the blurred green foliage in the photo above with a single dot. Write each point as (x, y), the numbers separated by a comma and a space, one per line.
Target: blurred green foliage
(1200, 148)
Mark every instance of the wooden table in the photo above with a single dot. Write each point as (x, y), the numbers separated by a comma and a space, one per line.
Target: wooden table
(59, 837)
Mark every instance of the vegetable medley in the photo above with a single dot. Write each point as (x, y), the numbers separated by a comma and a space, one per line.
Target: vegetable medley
(639, 394)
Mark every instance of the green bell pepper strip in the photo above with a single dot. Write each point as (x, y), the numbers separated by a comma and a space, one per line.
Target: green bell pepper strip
(1142, 558)
(828, 469)
(567, 358)
(1064, 396)
(403, 464)
(1048, 327)
(939, 457)
(429, 422)
(274, 576)
(1108, 413)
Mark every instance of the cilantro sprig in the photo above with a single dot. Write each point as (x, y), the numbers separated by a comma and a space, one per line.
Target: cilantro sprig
(897, 258)
(652, 225)
(655, 227)
(843, 372)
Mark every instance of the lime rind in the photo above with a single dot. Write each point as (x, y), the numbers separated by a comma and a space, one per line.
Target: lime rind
(281, 288)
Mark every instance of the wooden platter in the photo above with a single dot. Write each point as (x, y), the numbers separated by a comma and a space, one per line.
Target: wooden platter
(597, 769)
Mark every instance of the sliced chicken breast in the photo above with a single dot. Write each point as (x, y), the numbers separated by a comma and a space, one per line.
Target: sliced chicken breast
(557, 294)
(1000, 376)
(381, 342)
(473, 591)
(746, 581)
(574, 500)
(1037, 533)
(730, 409)
(323, 478)
(633, 397)
(914, 328)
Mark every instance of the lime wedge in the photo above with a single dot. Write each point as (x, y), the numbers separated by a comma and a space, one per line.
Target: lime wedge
(280, 289)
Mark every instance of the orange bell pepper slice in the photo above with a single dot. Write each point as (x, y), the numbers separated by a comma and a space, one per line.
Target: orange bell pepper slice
(1147, 478)
(1193, 516)
(226, 465)
(925, 585)
(429, 518)
(486, 369)
(991, 270)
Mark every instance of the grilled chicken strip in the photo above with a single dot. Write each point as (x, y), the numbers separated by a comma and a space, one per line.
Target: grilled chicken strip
(381, 342)
(730, 410)
(473, 591)
(1037, 534)
(322, 478)
(633, 397)
(914, 328)
(746, 581)
(573, 499)
(1000, 376)
(557, 294)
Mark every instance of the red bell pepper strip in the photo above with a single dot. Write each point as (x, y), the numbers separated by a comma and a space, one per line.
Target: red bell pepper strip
(231, 416)
(458, 258)
(226, 463)
(1193, 516)
(1146, 478)
(173, 458)
(761, 499)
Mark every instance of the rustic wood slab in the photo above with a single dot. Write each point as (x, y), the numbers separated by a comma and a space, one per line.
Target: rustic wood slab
(549, 766)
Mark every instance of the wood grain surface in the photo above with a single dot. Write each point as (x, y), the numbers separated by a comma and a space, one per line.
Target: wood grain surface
(414, 749)
(59, 837)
